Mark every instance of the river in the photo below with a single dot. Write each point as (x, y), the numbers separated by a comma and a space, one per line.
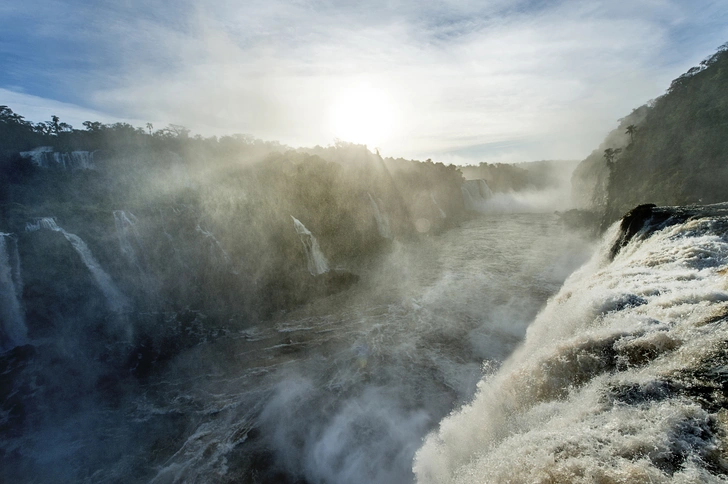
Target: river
(346, 388)
(342, 390)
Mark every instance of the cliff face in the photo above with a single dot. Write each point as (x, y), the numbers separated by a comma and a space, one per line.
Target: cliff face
(671, 152)
(140, 234)
(590, 179)
(678, 155)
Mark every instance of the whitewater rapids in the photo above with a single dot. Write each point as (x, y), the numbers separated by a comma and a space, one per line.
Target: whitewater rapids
(623, 377)
(346, 388)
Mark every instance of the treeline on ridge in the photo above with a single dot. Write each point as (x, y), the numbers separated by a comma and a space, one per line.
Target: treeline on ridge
(672, 151)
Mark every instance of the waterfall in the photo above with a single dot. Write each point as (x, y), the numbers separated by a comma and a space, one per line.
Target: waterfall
(317, 263)
(80, 160)
(485, 191)
(126, 231)
(14, 331)
(115, 299)
(38, 156)
(476, 194)
(467, 199)
(621, 376)
(437, 205)
(45, 157)
(381, 218)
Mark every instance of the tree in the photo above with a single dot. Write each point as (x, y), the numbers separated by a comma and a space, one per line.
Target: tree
(610, 154)
(179, 131)
(93, 126)
(42, 128)
(8, 116)
(150, 127)
(173, 131)
(55, 126)
(631, 129)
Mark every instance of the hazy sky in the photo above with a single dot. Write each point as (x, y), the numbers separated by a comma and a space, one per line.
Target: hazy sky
(455, 81)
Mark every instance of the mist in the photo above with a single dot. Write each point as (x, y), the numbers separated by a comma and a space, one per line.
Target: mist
(236, 308)
(534, 187)
(295, 242)
(344, 390)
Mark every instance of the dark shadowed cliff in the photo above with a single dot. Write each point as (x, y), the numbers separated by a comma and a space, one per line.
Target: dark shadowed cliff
(670, 152)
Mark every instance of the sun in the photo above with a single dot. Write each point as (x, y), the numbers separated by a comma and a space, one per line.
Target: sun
(362, 114)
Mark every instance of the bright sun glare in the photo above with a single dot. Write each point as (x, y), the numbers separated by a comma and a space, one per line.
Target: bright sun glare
(363, 115)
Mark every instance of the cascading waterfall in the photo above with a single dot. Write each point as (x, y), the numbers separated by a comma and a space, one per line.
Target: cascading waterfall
(437, 205)
(317, 263)
(341, 390)
(621, 377)
(14, 331)
(476, 194)
(45, 157)
(81, 160)
(115, 299)
(126, 231)
(39, 156)
(382, 220)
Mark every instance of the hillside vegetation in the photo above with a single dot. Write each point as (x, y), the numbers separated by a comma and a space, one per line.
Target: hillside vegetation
(195, 229)
(672, 151)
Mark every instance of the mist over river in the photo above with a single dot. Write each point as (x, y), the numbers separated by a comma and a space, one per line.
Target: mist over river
(343, 389)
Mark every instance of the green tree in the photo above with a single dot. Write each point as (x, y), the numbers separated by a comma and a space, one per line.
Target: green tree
(631, 129)
(93, 126)
(610, 155)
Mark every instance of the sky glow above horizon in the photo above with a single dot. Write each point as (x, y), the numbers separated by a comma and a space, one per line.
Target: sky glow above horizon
(455, 81)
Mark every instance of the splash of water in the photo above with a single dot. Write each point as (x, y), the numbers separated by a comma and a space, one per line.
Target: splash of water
(609, 384)
(14, 330)
(116, 301)
(476, 194)
(345, 392)
(316, 261)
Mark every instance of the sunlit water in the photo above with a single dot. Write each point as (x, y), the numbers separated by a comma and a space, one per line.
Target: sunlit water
(343, 390)
(622, 378)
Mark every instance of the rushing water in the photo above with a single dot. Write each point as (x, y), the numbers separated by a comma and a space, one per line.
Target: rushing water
(12, 324)
(116, 300)
(316, 261)
(344, 389)
(622, 378)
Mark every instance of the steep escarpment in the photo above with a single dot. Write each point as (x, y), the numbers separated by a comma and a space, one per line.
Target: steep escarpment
(670, 152)
(590, 179)
(120, 231)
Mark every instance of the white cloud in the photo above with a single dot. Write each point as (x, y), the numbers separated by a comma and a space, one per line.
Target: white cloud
(553, 78)
(37, 109)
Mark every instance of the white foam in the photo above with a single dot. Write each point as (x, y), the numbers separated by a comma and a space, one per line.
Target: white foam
(587, 397)
(316, 261)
